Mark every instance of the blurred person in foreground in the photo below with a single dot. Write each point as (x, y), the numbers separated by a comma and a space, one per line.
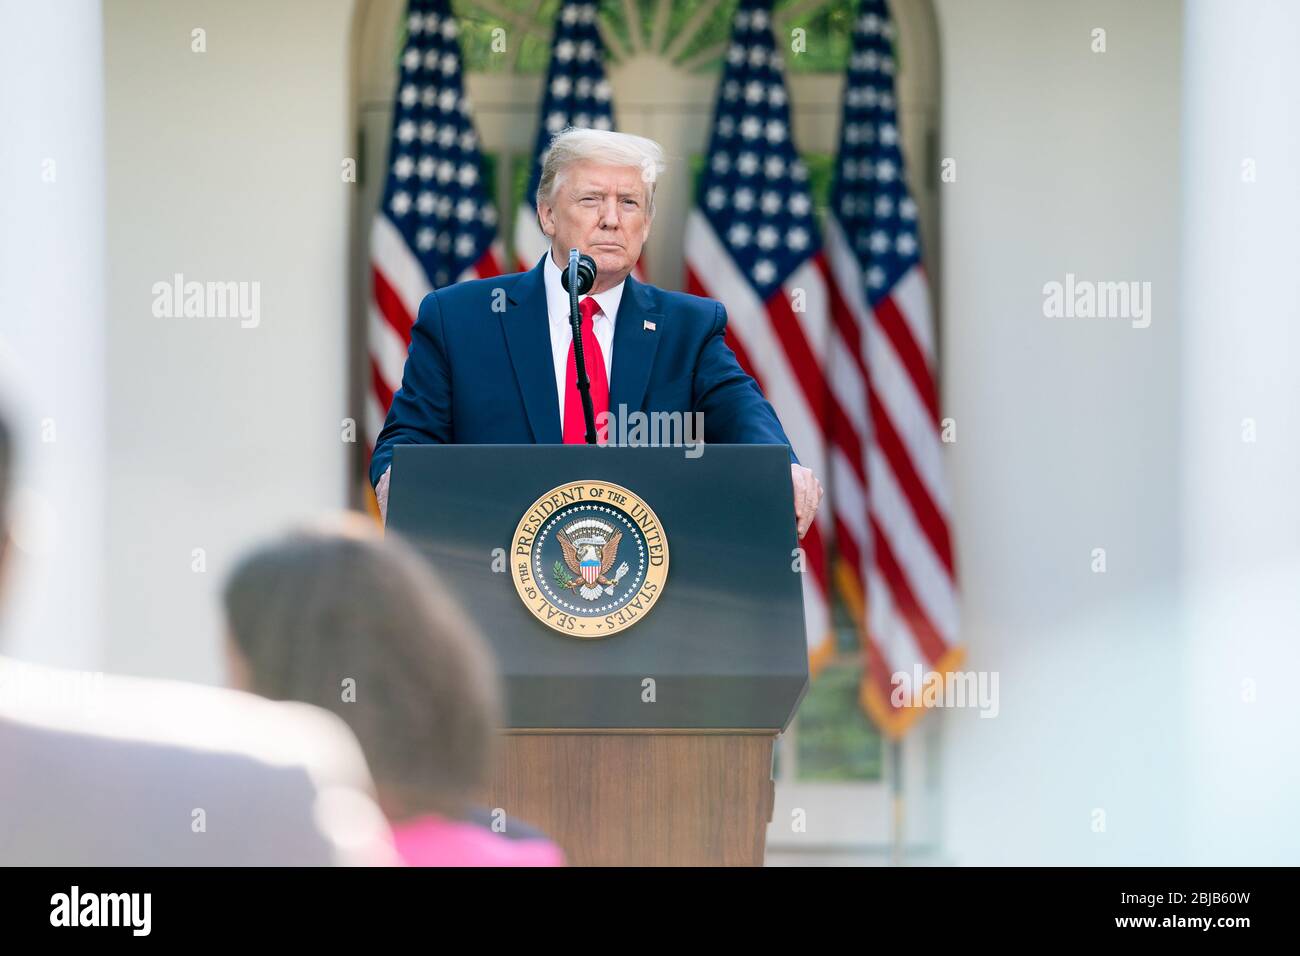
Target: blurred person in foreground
(100, 770)
(338, 616)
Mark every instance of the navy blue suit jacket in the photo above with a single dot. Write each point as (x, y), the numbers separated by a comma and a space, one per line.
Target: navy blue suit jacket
(475, 375)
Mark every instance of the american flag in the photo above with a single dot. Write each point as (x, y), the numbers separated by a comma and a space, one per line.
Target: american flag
(577, 93)
(752, 243)
(436, 224)
(888, 493)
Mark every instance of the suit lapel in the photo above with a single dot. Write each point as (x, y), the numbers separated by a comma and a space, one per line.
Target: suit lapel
(634, 346)
(528, 337)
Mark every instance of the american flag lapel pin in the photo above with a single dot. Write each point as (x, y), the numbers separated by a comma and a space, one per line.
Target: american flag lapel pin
(647, 324)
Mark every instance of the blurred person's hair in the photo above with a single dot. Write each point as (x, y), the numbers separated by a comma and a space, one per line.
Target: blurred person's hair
(336, 601)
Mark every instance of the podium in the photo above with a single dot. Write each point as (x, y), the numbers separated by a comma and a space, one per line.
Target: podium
(645, 609)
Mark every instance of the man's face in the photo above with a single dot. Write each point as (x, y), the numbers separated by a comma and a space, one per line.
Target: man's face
(602, 211)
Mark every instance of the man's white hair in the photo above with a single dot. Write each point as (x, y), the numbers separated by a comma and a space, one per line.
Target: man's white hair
(572, 145)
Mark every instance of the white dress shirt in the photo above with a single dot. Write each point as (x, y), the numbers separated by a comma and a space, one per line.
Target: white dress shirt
(557, 307)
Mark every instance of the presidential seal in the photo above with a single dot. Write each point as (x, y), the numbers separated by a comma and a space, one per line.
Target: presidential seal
(589, 559)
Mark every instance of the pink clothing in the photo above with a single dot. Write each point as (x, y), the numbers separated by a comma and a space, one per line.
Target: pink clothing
(437, 841)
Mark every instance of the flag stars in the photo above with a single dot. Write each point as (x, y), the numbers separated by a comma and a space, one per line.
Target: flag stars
(716, 197)
(721, 163)
(424, 239)
(411, 59)
(409, 95)
(744, 199)
(739, 235)
(424, 203)
(768, 237)
(401, 203)
(906, 244)
(403, 167)
(764, 271)
(747, 164)
(750, 127)
(907, 208)
(797, 239)
(774, 167)
(755, 91)
(770, 203)
(406, 131)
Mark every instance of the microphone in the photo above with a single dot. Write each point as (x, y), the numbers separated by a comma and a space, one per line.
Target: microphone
(577, 280)
(586, 273)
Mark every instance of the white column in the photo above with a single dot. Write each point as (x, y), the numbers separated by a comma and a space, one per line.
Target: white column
(52, 323)
(1241, 442)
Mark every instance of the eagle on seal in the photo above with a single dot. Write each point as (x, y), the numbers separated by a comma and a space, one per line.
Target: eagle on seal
(590, 548)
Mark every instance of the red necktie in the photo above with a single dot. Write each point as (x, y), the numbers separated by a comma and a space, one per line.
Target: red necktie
(575, 425)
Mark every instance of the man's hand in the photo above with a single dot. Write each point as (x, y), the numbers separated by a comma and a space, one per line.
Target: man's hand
(807, 496)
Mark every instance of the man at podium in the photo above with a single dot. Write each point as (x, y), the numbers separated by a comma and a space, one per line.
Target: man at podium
(492, 360)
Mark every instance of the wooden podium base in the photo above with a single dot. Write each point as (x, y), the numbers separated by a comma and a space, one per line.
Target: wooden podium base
(640, 797)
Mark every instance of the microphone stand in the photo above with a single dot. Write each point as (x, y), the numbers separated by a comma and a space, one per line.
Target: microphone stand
(575, 320)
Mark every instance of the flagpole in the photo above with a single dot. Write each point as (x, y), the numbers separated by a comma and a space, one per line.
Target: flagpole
(896, 803)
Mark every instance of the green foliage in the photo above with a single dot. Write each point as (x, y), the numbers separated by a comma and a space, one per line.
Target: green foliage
(561, 576)
(837, 742)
